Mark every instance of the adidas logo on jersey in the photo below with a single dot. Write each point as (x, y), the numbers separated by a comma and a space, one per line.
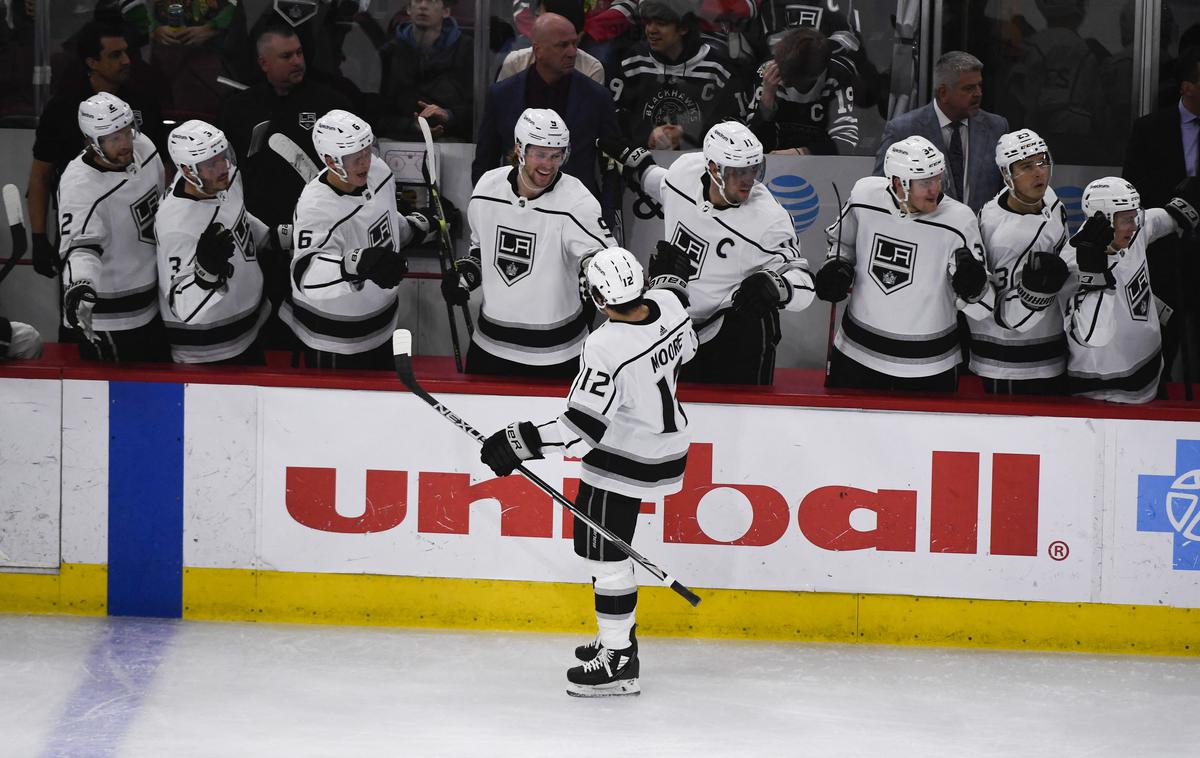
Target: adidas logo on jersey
(661, 330)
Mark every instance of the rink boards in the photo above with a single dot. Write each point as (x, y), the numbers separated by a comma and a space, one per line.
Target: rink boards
(333, 505)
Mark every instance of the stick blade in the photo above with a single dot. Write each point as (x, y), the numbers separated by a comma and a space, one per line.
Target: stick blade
(430, 157)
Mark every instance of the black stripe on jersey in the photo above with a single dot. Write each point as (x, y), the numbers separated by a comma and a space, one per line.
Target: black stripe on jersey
(536, 337)
(665, 338)
(491, 199)
(1095, 318)
(916, 349)
(99, 200)
(960, 235)
(383, 184)
(302, 266)
(733, 231)
(214, 335)
(627, 468)
(1010, 352)
(1138, 379)
(195, 283)
(341, 221)
(363, 327)
(570, 216)
(151, 157)
(126, 303)
(99, 251)
(583, 423)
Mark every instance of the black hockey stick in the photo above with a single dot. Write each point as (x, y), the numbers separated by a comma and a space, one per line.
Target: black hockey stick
(16, 225)
(445, 244)
(1185, 330)
(402, 351)
(833, 306)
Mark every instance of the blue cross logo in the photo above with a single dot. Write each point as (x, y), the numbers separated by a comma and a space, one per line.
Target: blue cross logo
(1172, 504)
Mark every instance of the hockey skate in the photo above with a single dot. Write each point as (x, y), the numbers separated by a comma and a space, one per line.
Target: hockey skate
(610, 672)
(587, 652)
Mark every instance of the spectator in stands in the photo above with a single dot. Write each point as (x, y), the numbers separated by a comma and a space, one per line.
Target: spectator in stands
(673, 87)
(585, 63)
(958, 127)
(552, 82)
(605, 25)
(187, 38)
(286, 103)
(804, 101)
(428, 72)
(18, 341)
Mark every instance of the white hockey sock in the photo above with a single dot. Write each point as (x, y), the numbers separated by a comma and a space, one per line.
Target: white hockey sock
(615, 589)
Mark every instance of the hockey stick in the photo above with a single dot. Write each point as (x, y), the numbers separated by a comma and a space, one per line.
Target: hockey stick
(402, 351)
(1185, 331)
(445, 244)
(295, 157)
(16, 225)
(833, 306)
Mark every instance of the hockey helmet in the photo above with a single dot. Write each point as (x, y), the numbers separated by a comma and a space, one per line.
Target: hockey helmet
(912, 159)
(338, 134)
(615, 277)
(1017, 146)
(734, 149)
(195, 142)
(104, 114)
(1110, 196)
(541, 127)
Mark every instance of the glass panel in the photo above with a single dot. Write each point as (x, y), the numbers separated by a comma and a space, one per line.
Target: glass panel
(16, 65)
(1180, 31)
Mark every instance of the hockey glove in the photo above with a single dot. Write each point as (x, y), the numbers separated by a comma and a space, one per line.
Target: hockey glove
(507, 448)
(213, 251)
(760, 293)
(380, 265)
(635, 160)
(1184, 205)
(460, 278)
(423, 225)
(45, 258)
(1091, 252)
(78, 302)
(281, 237)
(1042, 276)
(834, 279)
(585, 287)
(970, 278)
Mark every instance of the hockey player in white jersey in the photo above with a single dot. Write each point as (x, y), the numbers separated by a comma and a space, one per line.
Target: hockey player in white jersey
(624, 420)
(1116, 346)
(107, 199)
(210, 282)
(745, 259)
(533, 228)
(346, 264)
(1024, 228)
(914, 258)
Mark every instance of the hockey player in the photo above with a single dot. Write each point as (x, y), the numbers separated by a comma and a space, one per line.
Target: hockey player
(532, 229)
(345, 241)
(745, 259)
(210, 282)
(917, 259)
(106, 204)
(623, 418)
(1024, 229)
(1116, 355)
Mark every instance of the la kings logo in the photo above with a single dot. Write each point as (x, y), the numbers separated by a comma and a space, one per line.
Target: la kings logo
(696, 248)
(892, 263)
(143, 210)
(514, 253)
(380, 233)
(245, 240)
(802, 15)
(1137, 295)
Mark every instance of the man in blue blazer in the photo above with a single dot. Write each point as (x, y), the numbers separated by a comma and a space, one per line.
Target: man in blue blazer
(971, 154)
(551, 82)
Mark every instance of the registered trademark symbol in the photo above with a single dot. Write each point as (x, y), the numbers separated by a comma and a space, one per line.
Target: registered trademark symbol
(1058, 550)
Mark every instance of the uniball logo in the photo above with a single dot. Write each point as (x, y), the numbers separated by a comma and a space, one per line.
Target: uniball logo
(798, 198)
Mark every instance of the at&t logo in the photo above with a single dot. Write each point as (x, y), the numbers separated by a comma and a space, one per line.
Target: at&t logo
(1171, 503)
(798, 198)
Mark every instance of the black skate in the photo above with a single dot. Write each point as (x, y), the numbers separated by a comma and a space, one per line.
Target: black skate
(587, 652)
(611, 672)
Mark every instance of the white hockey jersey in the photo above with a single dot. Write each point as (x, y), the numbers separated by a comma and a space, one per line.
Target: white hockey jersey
(1122, 359)
(206, 324)
(622, 408)
(725, 245)
(530, 252)
(106, 235)
(328, 312)
(900, 319)
(1017, 342)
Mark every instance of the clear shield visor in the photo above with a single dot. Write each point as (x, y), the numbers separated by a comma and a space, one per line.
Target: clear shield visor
(119, 141)
(742, 175)
(215, 172)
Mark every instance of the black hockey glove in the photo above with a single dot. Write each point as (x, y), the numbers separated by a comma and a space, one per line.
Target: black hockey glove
(970, 278)
(760, 293)
(834, 279)
(78, 302)
(509, 447)
(1091, 252)
(380, 265)
(460, 278)
(213, 251)
(1042, 276)
(635, 160)
(424, 226)
(670, 268)
(281, 237)
(45, 257)
(1184, 205)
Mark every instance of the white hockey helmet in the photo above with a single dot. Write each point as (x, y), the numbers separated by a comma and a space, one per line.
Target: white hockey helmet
(103, 114)
(911, 159)
(731, 145)
(541, 127)
(194, 142)
(615, 277)
(1017, 146)
(340, 133)
(1110, 196)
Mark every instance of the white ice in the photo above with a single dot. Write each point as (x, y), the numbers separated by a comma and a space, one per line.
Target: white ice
(134, 688)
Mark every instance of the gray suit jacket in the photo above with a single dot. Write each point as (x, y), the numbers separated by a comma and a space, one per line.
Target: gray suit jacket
(983, 132)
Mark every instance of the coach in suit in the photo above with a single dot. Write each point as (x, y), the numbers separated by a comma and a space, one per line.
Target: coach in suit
(552, 82)
(957, 126)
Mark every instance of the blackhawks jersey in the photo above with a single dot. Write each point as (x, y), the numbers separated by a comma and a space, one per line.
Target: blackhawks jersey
(901, 316)
(530, 252)
(106, 234)
(622, 408)
(821, 119)
(726, 245)
(204, 323)
(1017, 342)
(328, 312)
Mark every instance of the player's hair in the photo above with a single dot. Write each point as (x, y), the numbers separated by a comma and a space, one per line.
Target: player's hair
(1188, 68)
(88, 42)
(267, 26)
(623, 308)
(953, 65)
(802, 54)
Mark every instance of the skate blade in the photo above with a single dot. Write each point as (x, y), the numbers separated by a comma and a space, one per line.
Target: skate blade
(622, 687)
